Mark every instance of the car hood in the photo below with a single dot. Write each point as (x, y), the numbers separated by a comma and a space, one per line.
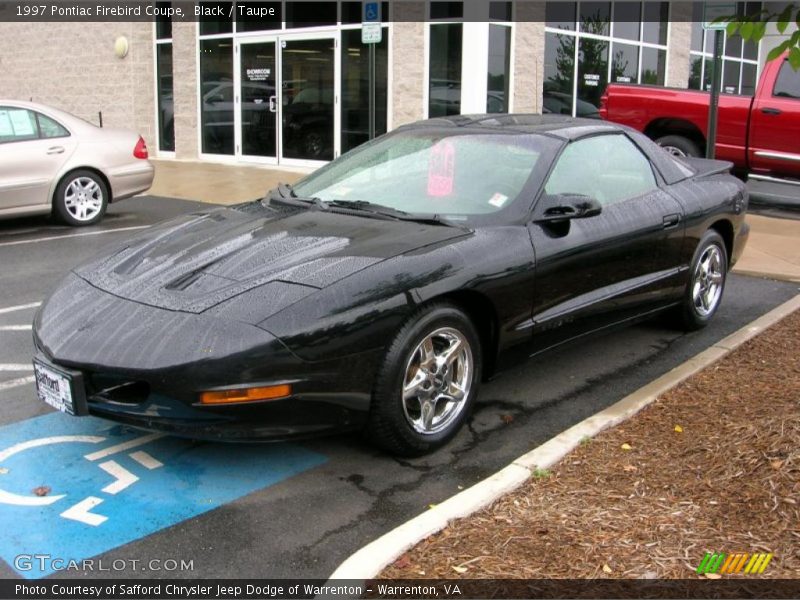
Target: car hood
(202, 259)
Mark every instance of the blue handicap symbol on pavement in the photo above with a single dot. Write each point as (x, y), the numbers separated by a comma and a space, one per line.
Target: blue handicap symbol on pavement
(104, 485)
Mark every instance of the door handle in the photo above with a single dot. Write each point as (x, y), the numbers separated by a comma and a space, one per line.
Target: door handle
(55, 150)
(771, 111)
(272, 105)
(671, 220)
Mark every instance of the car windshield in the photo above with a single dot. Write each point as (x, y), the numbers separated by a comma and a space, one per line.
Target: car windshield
(431, 172)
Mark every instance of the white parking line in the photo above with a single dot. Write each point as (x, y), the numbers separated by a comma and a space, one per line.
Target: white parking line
(144, 459)
(16, 327)
(82, 512)
(122, 477)
(19, 307)
(140, 441)
(15, 367)
(12, 383)
(74, 235)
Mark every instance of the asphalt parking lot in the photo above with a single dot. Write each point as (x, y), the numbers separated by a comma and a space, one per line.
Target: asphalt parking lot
(269, 510)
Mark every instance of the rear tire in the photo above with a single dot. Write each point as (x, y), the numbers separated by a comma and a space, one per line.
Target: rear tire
(677, 145)
(427, 383)
(707, 277)
(81, 198)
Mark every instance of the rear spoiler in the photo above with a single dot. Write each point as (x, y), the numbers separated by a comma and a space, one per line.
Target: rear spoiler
(705, 167)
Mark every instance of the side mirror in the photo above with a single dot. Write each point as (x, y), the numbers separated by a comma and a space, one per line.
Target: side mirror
(564, 207)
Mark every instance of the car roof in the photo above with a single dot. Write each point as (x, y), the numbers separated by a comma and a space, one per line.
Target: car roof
(562, 127)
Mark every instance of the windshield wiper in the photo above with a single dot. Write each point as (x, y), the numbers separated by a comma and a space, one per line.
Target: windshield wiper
(387, 211)
(284, 192)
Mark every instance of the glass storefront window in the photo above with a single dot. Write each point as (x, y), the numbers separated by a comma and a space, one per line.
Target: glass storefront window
(560, 15)
(447, 10)
(654, 66)
(245, 22)
(624, 63)
(216, 96)
(499, 69)
(444, 90)
(163, 22)
(166, 101)
(559, 73)
(214, 25)
(594, 17)
(656, 22)
(632, 49)
(308, 98)
(740, 68)
(592, 74)
(627, 16)
(355, 88)
(310, 14)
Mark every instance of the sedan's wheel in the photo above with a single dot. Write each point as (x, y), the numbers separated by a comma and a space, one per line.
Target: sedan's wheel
(707, 282)
(81, 198)
(427, 383)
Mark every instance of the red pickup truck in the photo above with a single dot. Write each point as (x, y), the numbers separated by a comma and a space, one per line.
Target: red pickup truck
(760, 135)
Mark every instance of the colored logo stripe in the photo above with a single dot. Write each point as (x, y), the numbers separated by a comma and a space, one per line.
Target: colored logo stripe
(716, 562)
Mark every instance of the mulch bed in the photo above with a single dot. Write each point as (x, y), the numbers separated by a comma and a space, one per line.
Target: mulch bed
(712, 465)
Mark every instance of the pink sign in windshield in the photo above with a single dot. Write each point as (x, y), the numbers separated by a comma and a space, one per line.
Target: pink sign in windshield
(441, 168)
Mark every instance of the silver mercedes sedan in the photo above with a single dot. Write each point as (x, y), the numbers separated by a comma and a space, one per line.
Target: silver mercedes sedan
(54, 162)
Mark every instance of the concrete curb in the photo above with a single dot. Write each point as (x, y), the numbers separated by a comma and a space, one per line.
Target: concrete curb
(370, 560)
(780, 276)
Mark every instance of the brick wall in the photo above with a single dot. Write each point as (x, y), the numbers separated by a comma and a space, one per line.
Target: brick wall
(72, 66)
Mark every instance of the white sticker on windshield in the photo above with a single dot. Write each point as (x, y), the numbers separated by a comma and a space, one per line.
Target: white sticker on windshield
(498, 199)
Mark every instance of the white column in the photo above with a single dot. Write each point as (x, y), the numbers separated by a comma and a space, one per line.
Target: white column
(475, 57)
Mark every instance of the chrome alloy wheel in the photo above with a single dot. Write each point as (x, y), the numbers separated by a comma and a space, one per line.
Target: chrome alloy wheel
(83, 198)
(708, 281)
(437, 381)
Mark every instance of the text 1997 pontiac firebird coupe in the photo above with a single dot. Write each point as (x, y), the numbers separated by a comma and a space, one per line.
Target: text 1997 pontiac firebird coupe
(379, 291)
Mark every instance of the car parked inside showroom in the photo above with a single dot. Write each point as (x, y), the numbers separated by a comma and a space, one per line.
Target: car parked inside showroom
(54, 162)
(379, 291)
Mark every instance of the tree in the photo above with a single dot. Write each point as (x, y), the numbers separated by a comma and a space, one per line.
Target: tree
(753, 27)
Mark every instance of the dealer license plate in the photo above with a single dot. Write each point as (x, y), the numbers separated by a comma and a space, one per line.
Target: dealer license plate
(55, 388)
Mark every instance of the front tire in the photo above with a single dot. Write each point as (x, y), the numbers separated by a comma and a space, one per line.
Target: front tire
(707, 277)
(427, 383)
(81, 198)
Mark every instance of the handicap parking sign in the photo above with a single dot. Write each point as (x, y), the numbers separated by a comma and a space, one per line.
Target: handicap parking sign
(75, 488)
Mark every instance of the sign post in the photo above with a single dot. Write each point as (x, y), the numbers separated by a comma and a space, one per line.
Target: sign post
(711, 12)
(371, 34)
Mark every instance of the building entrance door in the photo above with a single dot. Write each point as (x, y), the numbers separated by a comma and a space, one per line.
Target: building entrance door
(286, 99)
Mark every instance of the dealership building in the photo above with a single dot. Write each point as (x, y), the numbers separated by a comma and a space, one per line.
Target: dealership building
(292, 89)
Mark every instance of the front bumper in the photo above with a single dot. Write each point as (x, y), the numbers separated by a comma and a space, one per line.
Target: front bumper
(145, 367)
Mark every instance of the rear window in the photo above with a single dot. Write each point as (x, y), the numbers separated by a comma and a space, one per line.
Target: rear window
(788, 83)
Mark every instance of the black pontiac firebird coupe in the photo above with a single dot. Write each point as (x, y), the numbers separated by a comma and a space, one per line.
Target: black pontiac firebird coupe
(379, 291)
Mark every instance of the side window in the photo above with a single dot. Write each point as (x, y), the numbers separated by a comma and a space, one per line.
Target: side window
(48, 128)
(788, 83)
(609, 168)
(17, 125)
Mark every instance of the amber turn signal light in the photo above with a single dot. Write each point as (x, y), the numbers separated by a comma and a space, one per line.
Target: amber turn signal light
(254, 394)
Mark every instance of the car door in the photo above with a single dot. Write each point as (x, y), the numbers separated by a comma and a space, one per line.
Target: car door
(596, 271)
(33, 148)
(774, 124)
